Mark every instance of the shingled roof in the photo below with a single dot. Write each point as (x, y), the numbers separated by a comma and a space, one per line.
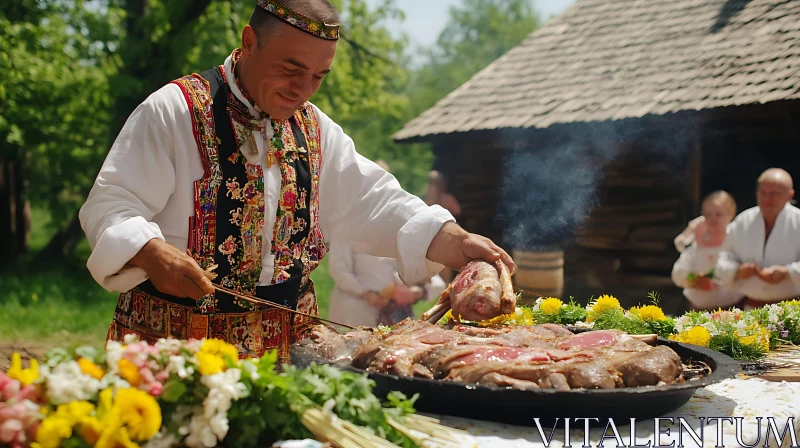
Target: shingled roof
(615, 59)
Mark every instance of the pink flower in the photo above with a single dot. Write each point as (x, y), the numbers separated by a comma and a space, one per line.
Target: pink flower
(10, 431)
(29, 392)
(156, 389)
(147, 375)
(10, 389)
(162, 376)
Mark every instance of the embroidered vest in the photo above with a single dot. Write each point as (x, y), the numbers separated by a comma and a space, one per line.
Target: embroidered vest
(227, 225)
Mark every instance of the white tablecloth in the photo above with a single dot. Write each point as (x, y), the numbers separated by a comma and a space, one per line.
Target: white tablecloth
(739, 397)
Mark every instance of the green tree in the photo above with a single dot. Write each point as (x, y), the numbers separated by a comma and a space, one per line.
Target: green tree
(477, 33)
(53, 99)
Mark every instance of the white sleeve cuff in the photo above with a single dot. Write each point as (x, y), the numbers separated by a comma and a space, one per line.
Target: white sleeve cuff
(116, 246)
(413, 241)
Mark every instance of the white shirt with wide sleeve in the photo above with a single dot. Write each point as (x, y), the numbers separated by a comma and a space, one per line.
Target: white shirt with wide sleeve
(145, 190)
(746, 243)
(355, 274)
(701, 261)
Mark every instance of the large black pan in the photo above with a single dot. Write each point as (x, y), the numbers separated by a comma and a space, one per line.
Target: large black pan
(519, 407)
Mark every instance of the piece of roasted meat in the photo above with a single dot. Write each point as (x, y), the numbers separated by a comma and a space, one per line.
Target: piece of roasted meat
(526, 357)
(481, 291)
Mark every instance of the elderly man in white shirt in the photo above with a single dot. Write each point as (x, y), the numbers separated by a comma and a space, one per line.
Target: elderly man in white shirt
(761, 254)
(233, 169)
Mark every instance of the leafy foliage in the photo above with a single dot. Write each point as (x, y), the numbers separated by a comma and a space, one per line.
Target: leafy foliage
(279, 400)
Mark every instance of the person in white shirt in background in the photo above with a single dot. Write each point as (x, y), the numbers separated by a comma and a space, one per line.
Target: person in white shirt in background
(369, 290)
(761, 254)
(700, 245)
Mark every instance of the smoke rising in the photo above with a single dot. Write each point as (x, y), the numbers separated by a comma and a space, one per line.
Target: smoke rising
(551, 181)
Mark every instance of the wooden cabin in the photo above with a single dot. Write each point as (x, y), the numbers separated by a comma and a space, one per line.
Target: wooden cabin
(598, 136)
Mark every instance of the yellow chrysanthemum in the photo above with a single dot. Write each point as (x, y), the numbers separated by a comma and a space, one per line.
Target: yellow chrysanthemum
(129, 372)
(90, 429)
(648, 312)
(52, 431)
(603, 303)
(551, 305)
(74, 411)
(209, 364)
(695, 335)
(90, 368)
(139, 412)
(24, 376)
(219, 347)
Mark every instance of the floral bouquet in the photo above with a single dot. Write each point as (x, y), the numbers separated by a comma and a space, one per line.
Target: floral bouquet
(197, 393)
(734, 332)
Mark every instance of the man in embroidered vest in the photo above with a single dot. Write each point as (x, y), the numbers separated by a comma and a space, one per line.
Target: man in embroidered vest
(234, 168)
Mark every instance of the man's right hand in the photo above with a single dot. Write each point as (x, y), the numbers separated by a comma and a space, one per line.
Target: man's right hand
(172, 271)
(746, 271)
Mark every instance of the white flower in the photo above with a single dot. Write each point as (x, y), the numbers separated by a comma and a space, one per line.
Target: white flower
(712, 329)
(219, 425)
(774, 313)
(210, 424)
(681, 323)
(200, 433)
(114, 353)
(177, 365)
(129, 339)
(67, 383)
(161, 440)
(172, 346)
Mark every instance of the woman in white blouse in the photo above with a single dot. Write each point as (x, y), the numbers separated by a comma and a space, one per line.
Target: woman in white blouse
(700, 245)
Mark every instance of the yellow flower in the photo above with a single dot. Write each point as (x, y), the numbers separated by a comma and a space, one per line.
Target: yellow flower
(90, 429)
(221, 348)
(695, 335)
(758, 335)
(52, 431)
(209, 364)
(74, 412)
(649, 312)
(603, 303)
(129, 372)
(24, 376)
(139, 412)
(90, 368)
(551, 305)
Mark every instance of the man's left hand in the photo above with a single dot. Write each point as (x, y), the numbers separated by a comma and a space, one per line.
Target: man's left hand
(454, 247)
(774, 274)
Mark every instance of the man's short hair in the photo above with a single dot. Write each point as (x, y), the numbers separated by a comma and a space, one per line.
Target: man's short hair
(265, 24)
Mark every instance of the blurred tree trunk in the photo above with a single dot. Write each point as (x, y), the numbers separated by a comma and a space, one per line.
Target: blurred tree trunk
(14, 211)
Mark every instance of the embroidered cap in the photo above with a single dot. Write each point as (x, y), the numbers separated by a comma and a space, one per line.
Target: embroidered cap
(322, 30)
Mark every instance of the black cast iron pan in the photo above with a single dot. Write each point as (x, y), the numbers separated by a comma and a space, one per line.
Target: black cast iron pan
(518, 407)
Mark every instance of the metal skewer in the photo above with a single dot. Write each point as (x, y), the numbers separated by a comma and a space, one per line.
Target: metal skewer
(257, 301)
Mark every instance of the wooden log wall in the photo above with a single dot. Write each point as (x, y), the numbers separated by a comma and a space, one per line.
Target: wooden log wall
(740, 143)
(475, 178)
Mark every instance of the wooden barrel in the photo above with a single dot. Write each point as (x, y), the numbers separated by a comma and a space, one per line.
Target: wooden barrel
(539, 274)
